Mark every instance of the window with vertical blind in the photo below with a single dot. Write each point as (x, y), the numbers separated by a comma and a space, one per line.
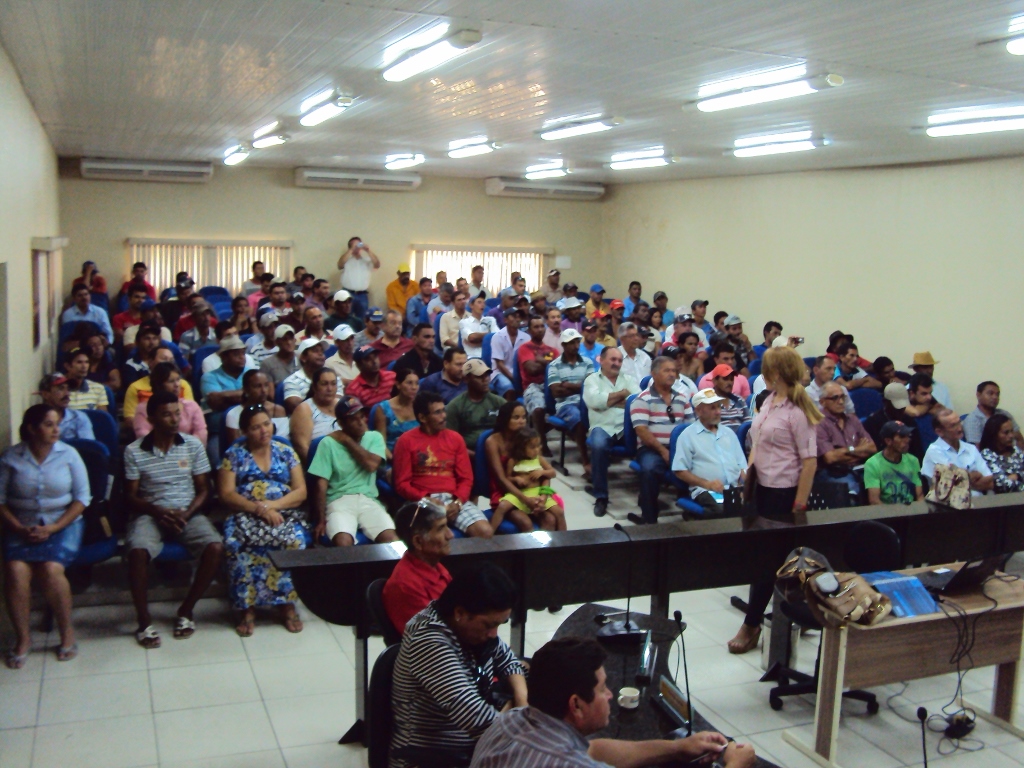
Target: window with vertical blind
(209, 262)
(498, 263)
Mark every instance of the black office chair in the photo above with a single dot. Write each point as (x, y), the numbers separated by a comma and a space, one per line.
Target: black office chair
(379, 718)
(871, 546)
(375, 604)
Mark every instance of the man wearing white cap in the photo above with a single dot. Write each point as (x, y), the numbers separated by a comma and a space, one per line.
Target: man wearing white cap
(709, 459)
(357, 264)
(552, 289)
(565, 377)
(311, 358)
(573, 309)
(342, 312)
(222, 387)
(341, 362)
(284, 362)
(261, 345)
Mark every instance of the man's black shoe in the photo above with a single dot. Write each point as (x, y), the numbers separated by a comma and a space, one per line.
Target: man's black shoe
(601, 507)
(636, 519)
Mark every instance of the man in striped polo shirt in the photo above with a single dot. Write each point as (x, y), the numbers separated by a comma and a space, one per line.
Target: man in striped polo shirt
(166, 484)
(655, 413)
(565, 380)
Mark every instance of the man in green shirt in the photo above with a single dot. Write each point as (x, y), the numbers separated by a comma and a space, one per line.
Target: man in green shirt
(345, 468)
(894, 475)
(475, 410)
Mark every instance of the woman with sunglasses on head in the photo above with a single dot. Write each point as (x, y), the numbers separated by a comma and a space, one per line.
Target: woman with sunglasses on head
(257, 389)
(262, 480)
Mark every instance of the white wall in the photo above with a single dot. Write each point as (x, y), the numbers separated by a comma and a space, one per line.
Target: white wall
(261, 203)
(906, 259)
(28, 208)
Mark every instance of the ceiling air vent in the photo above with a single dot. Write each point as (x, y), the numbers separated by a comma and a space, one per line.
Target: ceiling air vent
(549, 189)
(336, 178)
(143, 170)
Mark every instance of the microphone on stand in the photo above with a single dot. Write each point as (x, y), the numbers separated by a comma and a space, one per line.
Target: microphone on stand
(623, 631)
(686, 673)
(922, 715)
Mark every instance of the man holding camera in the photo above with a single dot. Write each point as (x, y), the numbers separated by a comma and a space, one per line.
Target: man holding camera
(357, 265)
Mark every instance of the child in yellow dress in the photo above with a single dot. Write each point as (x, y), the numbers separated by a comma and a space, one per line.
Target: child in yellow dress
(528, 470)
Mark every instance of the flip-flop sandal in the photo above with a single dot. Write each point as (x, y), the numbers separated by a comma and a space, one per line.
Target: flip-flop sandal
(16, 661)
(293, 623)
(67, 652)
(184, 628)
(148, 638)
(246, 626)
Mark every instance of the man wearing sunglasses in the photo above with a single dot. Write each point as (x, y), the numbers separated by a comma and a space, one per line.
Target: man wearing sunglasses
(655, 413)
(843, 443)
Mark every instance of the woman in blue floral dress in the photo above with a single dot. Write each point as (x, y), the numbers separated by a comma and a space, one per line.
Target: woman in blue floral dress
(261, 479)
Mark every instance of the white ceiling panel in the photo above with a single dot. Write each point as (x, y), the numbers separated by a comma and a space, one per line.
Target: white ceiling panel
(186, 79)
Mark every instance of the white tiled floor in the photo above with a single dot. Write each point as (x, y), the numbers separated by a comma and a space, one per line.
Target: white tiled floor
(276, 699)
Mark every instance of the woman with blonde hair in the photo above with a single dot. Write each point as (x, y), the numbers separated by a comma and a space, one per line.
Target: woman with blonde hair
(782, 461)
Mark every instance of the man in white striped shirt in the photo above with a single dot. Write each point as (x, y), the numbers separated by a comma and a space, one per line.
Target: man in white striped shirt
(570, 700)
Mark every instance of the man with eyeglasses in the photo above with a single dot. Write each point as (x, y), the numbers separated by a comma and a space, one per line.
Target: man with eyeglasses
(655, 413)
(843, 443)
(708, 458)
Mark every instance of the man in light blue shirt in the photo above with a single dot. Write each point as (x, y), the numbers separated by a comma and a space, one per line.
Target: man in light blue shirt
(708, 458)
(74, 424)
(83, 311)
(222, 387)
(633, 297)
(589, 347)
(604, 394)
(442, 302)
(951, 448)
(416, 307)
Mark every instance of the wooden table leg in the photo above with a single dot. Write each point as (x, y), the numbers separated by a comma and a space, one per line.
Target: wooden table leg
(830, 691)
(1004, 698)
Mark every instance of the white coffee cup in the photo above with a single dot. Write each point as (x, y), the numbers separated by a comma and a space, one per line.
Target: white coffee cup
(629, 698)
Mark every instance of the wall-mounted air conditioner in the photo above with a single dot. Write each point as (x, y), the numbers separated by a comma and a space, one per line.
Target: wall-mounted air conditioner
(552, 189)
(338, 178)
(145, 170)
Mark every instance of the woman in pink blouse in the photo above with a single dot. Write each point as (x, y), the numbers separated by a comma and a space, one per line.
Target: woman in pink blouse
(784, 459)
(166, 376)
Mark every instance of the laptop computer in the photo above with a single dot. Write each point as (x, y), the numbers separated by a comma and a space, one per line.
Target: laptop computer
(971, 575)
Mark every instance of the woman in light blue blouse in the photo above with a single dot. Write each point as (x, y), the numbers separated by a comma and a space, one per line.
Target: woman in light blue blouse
(44, 488)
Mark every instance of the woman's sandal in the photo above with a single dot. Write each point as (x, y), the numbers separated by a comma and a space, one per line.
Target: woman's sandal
(735, 647)
(184, 628)
(293, 623)
(16, 661)
(67, 652)
(148, 638)
(246, 626)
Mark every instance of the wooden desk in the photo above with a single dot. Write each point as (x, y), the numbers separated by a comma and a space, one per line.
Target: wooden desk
(893, 650)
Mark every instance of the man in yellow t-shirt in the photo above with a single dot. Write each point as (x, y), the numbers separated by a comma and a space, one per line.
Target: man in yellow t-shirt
(400, 290)
(596, 302)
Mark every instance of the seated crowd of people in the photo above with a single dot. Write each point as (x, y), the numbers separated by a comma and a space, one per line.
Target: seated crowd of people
(310, 423)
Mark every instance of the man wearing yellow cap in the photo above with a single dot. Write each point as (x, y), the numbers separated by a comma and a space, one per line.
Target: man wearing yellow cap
(400, 290)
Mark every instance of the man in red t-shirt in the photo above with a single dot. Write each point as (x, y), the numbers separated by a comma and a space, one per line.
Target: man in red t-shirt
(132, 315)
(372, 385)
(419, 576)
(431, 461)
(139, 272)
(534, 357)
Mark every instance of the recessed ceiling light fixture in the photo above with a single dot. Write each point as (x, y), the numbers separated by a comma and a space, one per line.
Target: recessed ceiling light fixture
(963, 122)
(322, 106)
(236, 154)
(1015, 45)
(270, 140)
(550, 169)
(776, 144)
(564, 130)
(761, 87)
(431, 55)
(265, 129)
(475, 145)
(652, 157)
(403, 160)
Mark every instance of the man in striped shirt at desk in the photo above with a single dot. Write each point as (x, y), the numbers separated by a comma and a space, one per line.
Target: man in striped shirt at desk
(569, 700)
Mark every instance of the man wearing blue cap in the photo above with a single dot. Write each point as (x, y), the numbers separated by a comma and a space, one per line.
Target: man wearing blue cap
(597, 302)
(373, 331)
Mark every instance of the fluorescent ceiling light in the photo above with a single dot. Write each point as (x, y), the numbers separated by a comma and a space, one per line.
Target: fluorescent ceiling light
(270, 141)
(776, 149)
(460, 143)
(647, 162)
(316, 98)
(757, 79)
(619, 157)
(322, 106)
(985, 126)
(403, 160)
(579, 129)
(769, 93)
(424, 37)
(424, 58)
(1015, 46)
(552, 174)
(470, 151)
(772, 138)
(266, 129)
(547, 165)
(236, 154)
(974, 113)
(572, 119)
(1016, 25)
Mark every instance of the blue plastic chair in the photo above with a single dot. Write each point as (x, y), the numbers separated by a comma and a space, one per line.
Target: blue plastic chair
(865, 401)
(684, 502)
(754, 367)
(209, 292)
(437, 334)
(390, 366)
(482, 484)
(485, 350)
(111, 398)
(517, 377)
(583, 296)
(809, 361)
(198, 357)
(67, 330)
(104, 427)
(121, 303)
(741, 433)
(279, 393)
(97, 465)
(645, 382)
(490, 304)
(247, 336)
(101, 300)
(166, 293)
(556, 423)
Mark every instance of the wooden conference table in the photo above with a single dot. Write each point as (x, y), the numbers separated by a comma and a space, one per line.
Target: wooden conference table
(594, 565)
(896, 650)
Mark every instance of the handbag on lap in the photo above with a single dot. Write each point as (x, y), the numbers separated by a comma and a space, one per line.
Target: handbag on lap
(951, 487)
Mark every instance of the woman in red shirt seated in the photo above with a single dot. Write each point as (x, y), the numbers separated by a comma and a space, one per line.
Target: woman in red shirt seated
(419, 576)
